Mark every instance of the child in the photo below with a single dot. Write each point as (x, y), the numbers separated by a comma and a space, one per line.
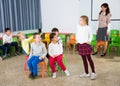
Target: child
(83, 38)
(7, 42)
(3, 52)
(56, 31)
(25, 42)
(37, 54)
(55, 50)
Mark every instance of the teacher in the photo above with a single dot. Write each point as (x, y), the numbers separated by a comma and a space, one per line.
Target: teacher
(103, 28)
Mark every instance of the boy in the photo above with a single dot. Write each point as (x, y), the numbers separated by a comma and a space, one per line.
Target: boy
(37, 54)
(7, 42)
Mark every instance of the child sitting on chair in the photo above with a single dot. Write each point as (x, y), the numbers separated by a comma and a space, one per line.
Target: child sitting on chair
(25, 42)
(8, 42)
(37, 54)
(55, 50)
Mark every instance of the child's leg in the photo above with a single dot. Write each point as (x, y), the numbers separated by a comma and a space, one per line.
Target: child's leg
(52, 66)
(30, 64)
(15, 44)
(3, 50)
(8, 45)
(85, 64)
(91, 63)
(59, 61)
(35, 63)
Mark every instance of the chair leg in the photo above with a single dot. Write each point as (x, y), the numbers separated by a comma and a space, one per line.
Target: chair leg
(43, 70)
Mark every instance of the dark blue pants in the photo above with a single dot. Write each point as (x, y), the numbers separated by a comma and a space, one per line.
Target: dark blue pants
(3, 50)
(8, 45)
(32, 64)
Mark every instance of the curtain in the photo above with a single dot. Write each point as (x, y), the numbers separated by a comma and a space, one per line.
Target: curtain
(20, 15)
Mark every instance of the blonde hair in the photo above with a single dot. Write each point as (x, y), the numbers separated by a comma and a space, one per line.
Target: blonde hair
(85, 19)
(19, 35)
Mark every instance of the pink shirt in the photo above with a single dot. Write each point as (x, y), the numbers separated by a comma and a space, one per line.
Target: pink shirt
(104, 20)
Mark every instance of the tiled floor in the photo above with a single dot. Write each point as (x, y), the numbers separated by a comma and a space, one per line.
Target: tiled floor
(107, 68)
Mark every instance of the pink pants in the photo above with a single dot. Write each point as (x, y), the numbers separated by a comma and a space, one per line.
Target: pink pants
(59, 61)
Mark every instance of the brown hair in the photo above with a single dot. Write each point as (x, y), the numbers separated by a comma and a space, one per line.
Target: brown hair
(105, 5)
(35, 34)
(54, 30)
(85, 18)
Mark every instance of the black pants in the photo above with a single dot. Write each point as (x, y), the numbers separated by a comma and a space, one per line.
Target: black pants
(85, 62)
(8, 45)
(3, 50)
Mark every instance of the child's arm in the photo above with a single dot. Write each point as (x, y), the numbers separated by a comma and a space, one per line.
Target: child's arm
(90, 35)
(44, 52)
(61, 48)
(31, 51)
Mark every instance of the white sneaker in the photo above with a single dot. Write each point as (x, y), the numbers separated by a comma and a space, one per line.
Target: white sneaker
(54, 75)
(84, 75)
(67, 72)
(93, 76)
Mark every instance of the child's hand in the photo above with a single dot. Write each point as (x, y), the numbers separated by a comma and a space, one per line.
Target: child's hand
(40, 58)
(54, 56)
(88, 42)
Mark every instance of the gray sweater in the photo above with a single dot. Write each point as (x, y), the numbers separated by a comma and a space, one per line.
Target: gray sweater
(38, 49)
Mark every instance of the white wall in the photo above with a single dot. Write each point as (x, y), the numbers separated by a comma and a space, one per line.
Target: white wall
(64, 14)
(85, 8)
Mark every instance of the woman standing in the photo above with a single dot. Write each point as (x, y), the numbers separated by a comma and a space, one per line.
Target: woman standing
(103, 28)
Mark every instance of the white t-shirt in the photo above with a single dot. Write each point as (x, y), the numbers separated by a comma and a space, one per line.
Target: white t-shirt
(7, 38)
(83, 34)
(55, 49)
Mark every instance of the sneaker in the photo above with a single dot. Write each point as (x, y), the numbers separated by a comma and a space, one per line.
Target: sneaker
(102, 55)
(17, 53)
(93, 76)
(67, 73)
(95, 53)
(8, 55)
(54, 75)
(84, 75)
(1, 58)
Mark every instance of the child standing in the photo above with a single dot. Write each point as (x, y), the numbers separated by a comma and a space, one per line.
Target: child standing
(55, 51)
(83, 38)
(7, 42)
(37, 54)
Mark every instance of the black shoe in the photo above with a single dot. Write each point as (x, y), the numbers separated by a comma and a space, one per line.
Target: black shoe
(102, 55)
(95, 53)
(17, 53)
(31, 76)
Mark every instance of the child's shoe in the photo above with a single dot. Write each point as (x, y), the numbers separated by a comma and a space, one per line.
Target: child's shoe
(84, 75)
(54, 75)
(1, 58)
(67, 72)
(93, 76)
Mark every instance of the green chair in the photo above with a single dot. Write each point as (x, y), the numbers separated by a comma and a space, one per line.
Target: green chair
(93, 42)
(57, 66)
(63, 38)
(114, 33)
(115, 42)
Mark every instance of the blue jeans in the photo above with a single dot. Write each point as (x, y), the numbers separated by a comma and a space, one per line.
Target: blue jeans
(32, 64)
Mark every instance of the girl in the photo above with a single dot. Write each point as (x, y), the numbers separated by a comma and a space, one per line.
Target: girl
(83, 38)
(55, 51)
(103, 30)
(25, 46)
